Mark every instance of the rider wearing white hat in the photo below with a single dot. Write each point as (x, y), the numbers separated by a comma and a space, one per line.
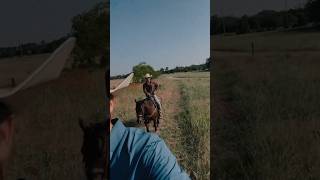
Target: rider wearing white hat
(149, 88)
(148, 75)
(134, 153)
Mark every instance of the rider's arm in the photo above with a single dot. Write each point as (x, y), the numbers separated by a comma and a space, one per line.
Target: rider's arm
(161, 164)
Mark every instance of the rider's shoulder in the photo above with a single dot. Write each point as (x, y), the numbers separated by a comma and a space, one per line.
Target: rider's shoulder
(140, 135)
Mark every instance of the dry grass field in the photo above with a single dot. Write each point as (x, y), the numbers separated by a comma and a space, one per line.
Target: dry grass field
(19, 68)
(268, 41)
(186, 121)
(48, 139)
(266, 108)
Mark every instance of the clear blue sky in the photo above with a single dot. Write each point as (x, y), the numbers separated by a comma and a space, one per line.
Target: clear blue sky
(159, 32)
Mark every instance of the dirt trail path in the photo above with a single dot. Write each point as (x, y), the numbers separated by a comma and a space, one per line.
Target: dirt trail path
(170, 98)
(169, 129)
(185, 135)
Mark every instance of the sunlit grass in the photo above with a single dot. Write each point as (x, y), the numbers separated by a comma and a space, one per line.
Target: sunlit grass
(194, 121)
(186, 124)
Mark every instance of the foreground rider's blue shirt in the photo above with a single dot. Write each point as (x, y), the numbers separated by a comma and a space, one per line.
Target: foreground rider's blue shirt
(138, 155)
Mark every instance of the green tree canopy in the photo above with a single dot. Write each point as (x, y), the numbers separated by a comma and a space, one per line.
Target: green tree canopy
(141, 69)
(92, 32)
(313, 7)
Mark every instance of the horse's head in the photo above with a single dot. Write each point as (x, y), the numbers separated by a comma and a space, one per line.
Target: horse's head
(139, 110)
(94, 149)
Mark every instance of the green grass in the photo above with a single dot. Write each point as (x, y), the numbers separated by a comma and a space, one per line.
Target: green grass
(125, 104)
(266, 117)
(186, 124)
(194, 122)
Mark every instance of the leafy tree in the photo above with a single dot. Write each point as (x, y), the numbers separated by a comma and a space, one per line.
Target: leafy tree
(313, 8)
(244, 25)
(216, 25)
(291, 19)
(92, 32)
(208, 62)
(141, 69)
(301, 16)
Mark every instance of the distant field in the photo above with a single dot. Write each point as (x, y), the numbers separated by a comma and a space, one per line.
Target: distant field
(188, 75)
(48, 139)
(19, 68)
(114, 83)
(269, 41)
(266, 107)
(185, 127)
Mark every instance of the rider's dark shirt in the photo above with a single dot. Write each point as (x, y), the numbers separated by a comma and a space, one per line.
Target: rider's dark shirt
(136, 154)
(150, 88)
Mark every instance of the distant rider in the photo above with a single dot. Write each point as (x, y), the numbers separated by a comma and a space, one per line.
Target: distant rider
(149, 88)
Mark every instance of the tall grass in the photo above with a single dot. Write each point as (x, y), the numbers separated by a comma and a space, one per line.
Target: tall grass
(186, 123)
(194, 122)
(48, 139)
(266, 117)
(125, 104)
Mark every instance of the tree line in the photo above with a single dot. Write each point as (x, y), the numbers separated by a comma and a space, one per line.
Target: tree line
(143, 68)
(198, 67)
(268, 20)
(31, 48)
(91, 29)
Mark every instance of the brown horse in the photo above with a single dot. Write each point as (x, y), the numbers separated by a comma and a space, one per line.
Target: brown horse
(147, 111)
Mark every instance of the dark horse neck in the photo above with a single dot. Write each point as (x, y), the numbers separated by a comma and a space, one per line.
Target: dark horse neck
(150, 112)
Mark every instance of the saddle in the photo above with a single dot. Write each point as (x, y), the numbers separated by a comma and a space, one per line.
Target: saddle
(153, 101)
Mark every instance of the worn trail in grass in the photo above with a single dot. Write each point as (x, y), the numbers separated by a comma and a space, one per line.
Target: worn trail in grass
(169, 127)
(188, 118)
(185, 123)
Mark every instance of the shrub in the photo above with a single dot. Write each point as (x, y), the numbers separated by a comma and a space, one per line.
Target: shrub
(141, 69)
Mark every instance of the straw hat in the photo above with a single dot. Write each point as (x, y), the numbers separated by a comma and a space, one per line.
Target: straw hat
(148, 75)
(123, 84)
